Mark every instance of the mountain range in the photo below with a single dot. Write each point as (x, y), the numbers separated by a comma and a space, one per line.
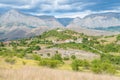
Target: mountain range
(15, 25)
(101, 21)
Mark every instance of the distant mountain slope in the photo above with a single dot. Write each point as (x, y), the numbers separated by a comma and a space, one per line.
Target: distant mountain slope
(112, 28)
(14, 18)
(103, 20)
(51, 21)
(13, 23)
(90, 32)
(65, 21)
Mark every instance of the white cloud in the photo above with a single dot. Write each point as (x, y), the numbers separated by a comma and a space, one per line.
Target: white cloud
(18, 4)
(15, 6)
(44, 5)
(75, 14)
(83, 14)
(71, 15)
(55, 6)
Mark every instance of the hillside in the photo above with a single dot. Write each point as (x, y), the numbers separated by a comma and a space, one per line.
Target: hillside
(101, 20)
(62, 49)
(50, 74)
(59, 39)
(16, 25)
(65, 21)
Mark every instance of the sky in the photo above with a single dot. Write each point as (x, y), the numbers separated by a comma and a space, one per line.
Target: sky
(61, 8)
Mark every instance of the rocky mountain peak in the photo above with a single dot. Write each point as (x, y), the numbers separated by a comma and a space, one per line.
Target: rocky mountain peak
(13, 13)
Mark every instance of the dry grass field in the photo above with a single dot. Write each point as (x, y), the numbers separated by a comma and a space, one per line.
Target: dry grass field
(37, 73)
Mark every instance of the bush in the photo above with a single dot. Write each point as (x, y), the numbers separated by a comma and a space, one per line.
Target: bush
(36, 57)
(48, 54)
(96, 66)
(49, 63)
(114, 59)
(73, 57)
(21, 55)
(118, 37)
(66, 58)
(1, 44)
(57, 56)
(31, 48)
(75, 65)
(99, 66)
(10, 60)
(24, 63)
(37, 48)
(85, 64)
(80, 63)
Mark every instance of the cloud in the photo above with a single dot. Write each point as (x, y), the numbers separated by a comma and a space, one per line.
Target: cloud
(75, 14)
(83, 14)
(44, 5)
(116, 8)
(61, 8)
(18, 4)
(62, 5)
(15, 6)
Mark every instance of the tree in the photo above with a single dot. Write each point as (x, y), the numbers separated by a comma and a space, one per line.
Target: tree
(85, 40)
(118, 37)
(99, 66)
(57, 56)
(85, 64)
(1, 44)
(75, 65)
(36, 57)
(73, 57)
(48, 54)
(37, 48)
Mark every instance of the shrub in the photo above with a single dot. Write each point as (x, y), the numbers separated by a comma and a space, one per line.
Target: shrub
(10, 60)
(31, 48)
(66, 58)
(48, 54)
(118, 37)
(96, 66)
(21, 55)
(114, 59)
(1, 44)
(85, 64)
(50, 63)
(37, 48)
(57, 56)
(80, 63)
(24, 63)
(36, 57)
(73, 57)
(99, 66)
(75, 65)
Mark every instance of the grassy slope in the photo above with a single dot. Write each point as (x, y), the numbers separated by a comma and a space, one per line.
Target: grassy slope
(36, 73)
(15, 72)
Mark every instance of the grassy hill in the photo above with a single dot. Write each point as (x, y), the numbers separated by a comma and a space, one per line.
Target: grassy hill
(62, 49)
(35, 73)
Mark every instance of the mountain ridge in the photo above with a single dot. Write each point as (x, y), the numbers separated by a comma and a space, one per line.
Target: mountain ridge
(14, 22)
(98, 20)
